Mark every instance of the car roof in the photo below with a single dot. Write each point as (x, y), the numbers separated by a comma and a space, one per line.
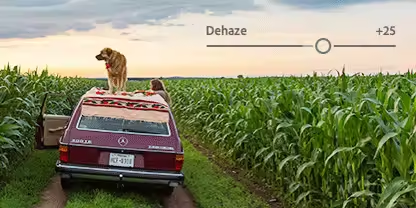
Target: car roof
(138, 95)
(125, 105)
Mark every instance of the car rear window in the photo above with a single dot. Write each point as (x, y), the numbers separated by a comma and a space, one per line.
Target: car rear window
(121, 125)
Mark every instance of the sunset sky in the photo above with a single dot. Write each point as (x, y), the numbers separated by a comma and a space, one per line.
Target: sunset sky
(169, 38)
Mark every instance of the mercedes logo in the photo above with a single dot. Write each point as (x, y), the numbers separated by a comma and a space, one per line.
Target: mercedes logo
(123, 141)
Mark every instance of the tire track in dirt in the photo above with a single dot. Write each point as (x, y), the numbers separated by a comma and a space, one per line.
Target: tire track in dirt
(180, 198)
(259, 188)
(54, 197)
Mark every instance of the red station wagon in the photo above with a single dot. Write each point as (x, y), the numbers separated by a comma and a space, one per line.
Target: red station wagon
(126, 138)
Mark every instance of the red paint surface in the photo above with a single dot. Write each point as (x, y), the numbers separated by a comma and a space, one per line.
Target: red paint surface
(137, 145)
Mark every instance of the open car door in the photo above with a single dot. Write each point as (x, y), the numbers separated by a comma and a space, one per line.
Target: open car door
(50, 127)
(54, 127)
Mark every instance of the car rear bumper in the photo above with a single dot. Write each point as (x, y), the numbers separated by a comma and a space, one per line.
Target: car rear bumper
(73, 171)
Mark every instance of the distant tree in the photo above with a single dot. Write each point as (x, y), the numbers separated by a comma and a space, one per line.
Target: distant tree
(160, 77)
(240, 76)
(222, 77)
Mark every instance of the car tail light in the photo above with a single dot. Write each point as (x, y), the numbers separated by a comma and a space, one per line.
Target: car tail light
(63, 153)
(178, 162)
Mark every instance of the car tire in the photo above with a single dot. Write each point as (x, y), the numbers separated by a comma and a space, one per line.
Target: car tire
(65, 183)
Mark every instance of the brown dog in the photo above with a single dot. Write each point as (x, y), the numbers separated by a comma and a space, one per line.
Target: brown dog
(116, 65)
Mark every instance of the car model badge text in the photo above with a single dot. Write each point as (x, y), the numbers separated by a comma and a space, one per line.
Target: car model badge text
(81, 141)
(160, 147)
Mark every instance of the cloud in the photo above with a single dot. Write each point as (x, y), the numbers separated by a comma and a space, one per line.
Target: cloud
(10, 46)
(329, 4)
(39, 18)
(32, 3)
(136, 39)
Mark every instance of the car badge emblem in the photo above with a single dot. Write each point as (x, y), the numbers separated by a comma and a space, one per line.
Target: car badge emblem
(122, 141)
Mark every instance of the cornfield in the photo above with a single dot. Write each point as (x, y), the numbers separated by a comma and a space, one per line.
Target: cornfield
(21, 95)
(338, 141)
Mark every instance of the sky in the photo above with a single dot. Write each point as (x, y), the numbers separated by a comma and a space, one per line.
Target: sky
(168, 38)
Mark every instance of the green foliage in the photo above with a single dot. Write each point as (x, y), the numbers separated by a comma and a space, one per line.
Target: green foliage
(21, 95)
(344, 141)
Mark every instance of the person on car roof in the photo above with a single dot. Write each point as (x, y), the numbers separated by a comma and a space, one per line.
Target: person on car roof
(157, 86)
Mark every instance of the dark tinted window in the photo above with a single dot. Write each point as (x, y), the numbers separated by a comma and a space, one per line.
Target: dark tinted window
(121, 125)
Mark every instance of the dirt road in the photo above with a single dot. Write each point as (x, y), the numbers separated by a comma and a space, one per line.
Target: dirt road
(54, 197)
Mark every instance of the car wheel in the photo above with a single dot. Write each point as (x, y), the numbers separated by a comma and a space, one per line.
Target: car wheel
(65, 183)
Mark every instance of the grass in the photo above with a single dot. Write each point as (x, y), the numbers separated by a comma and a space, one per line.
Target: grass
(93, 198)
(29, 179)
(210, 187)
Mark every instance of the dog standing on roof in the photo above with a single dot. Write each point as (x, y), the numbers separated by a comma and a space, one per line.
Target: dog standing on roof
(116, 65)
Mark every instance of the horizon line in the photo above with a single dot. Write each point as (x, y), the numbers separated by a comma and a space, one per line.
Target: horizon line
(261, 76)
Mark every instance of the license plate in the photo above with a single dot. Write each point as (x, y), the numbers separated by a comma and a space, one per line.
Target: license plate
(121, 160)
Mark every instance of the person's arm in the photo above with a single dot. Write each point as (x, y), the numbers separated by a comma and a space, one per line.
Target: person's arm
(168, 99)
